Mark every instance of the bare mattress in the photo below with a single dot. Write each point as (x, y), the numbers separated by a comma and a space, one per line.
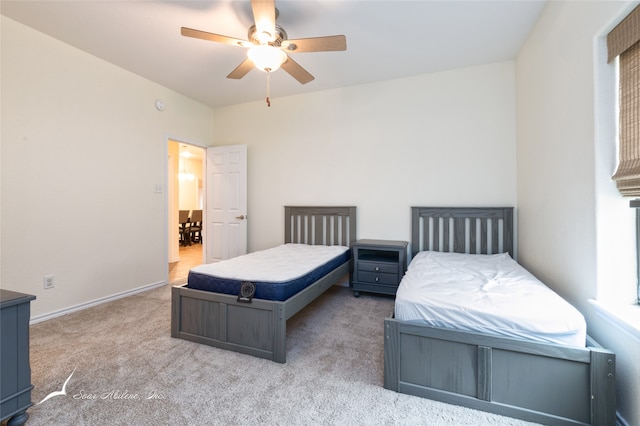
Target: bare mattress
(278, 273)
(490, 294)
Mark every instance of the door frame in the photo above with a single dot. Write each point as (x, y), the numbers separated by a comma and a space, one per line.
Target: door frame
(168, 185)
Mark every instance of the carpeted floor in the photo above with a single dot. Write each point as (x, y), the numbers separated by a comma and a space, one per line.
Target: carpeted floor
(123, 368)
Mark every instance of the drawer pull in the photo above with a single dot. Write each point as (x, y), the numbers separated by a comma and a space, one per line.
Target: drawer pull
(377, 279)
(377, 268)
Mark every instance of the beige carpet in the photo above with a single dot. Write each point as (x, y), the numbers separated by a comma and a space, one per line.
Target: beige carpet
(123, 368)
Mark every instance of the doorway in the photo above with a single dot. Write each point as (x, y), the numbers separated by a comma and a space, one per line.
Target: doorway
(185, 190)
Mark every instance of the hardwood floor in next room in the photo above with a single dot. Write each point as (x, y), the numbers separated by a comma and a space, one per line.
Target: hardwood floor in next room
(190, 256)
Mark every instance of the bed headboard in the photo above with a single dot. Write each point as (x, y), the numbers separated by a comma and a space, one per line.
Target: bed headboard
(475, 230)
(317, 225)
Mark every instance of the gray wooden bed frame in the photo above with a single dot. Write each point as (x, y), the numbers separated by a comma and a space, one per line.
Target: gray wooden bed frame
(259, 328)
(537, 382)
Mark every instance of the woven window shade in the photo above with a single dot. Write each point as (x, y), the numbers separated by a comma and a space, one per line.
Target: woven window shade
(624, 41)
(624, 35)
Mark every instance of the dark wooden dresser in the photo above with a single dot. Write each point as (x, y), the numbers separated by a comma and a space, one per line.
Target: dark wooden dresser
(15, 371)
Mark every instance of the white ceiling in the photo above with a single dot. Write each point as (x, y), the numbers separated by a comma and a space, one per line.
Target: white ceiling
(385, 39)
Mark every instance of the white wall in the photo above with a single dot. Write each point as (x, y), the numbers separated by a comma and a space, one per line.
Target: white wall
(83, 147)
(190, 190)
(571, 221)
(438, 139)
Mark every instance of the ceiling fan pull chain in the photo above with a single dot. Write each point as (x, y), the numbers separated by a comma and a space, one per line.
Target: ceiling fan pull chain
(268, 86)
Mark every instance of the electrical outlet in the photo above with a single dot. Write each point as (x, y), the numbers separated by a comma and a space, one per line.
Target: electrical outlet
(49, 281)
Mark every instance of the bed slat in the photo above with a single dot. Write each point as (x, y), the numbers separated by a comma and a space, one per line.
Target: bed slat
(484, 241)
(446, 234)
(495, 230)
(473, 235)
(459, 238)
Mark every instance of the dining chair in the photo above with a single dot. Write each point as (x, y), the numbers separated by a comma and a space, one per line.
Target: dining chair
(184, 226)
(195, 226)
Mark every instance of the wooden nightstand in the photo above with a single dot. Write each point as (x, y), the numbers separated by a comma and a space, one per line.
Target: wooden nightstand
(378, 266)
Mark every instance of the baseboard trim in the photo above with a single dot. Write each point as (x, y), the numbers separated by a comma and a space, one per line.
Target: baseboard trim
(82, 306)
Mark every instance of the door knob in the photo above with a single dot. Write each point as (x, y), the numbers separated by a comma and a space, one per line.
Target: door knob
(241, 217)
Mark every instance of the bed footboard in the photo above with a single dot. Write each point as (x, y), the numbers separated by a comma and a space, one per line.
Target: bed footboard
(221, 321)
(258, 328)
(538, 382)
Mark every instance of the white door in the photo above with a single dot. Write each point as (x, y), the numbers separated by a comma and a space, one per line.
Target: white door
(226, 205)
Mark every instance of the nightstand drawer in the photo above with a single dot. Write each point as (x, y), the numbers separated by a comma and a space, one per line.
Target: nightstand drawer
(388, 268)
(378, 278)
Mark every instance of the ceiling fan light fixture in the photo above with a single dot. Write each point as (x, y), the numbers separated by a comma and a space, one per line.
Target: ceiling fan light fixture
(268, 46)
(266, 57)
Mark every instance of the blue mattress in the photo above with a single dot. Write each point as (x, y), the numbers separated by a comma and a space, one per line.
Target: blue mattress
(277, 291)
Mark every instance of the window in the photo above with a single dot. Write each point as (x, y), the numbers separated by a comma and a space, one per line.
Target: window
(624, 42)
(636, 205)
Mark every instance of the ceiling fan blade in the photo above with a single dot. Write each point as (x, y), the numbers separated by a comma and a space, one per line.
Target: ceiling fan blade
(264, 15)
(190, 32)
(296, 71)
(241, 70)
(316, 44)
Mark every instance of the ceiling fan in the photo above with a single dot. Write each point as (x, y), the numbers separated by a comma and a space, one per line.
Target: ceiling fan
(268, 45)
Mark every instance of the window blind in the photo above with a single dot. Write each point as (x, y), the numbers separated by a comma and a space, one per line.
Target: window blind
(624, 35)
(624, 41)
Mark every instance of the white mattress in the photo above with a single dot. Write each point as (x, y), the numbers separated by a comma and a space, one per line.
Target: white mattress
(486, 293)
(278, 264)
